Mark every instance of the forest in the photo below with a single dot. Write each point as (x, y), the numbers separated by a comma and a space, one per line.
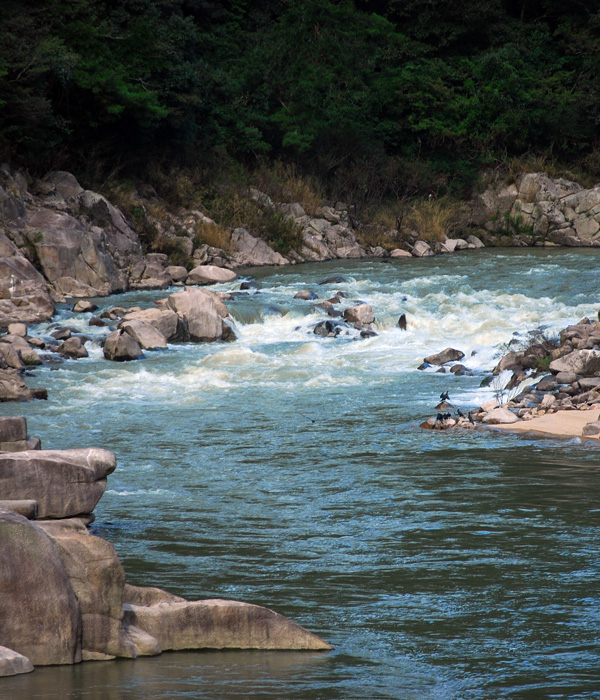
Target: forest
(370, 97)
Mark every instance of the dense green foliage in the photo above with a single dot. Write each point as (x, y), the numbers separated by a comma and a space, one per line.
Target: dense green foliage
(372, 96)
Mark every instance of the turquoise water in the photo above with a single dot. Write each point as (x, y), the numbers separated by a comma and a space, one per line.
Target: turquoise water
(287, 470)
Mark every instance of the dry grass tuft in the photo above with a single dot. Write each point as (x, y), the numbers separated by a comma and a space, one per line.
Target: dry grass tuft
(283, 183)
(436, 219)
(215, 235)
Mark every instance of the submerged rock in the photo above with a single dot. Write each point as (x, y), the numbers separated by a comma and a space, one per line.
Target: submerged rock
(12, 663)
(216, 624)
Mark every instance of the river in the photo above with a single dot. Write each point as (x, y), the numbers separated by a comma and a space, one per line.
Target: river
(288, 470)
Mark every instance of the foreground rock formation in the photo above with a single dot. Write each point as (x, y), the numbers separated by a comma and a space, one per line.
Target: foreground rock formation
(63, 591)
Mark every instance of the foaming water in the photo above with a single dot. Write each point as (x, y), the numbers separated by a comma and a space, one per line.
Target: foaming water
(287, 470)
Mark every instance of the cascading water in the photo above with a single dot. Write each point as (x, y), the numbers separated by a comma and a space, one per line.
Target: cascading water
(286, 469)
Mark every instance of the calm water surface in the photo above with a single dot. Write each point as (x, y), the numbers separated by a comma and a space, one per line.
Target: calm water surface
(286, 470)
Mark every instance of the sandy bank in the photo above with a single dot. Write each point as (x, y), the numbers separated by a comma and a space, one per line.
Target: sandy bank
(567, 424)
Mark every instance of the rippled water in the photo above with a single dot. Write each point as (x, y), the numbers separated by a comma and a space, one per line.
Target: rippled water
(286, 470)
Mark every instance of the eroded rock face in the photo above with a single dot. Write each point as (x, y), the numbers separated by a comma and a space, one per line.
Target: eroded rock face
(65, 483)
(252, 251)
(39, 611)
(98, 578)
(558, 211)
(72, 257)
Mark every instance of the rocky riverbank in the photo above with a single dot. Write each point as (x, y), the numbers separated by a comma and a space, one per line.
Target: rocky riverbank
(64, 595)
(554, 388)
(59, 241)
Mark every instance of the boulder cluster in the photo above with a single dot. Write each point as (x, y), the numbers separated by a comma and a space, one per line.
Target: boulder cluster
(539, 210)
(566, 377)
(63, 591)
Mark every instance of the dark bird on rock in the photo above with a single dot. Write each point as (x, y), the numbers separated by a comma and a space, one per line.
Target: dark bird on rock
(459, 413)
(471, 418)
(444, 396)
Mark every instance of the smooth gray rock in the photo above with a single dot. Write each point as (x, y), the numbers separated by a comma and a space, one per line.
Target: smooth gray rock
(210, 274)
(12, 663)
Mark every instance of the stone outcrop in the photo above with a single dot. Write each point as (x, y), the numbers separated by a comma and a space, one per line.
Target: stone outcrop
(538, 208)
(39, 611)
(12, 663)
(250, 251)
(63, 594)
(165, 321)
(65, 483)
(362, 313)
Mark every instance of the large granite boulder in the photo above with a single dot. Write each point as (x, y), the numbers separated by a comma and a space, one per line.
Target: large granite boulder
(165, 321)
(12, 387)
(120, 346)
(251, 251)
(65, 184)
(74, 348)
(39, 611)
(65, 483)
(500, 416)
(210, 274)
(214, 624)
(23, 292)
(145, 334)
(202, 314)
(98, 579)
(582, 362)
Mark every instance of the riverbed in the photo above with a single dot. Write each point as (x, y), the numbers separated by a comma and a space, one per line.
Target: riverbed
(287, 470)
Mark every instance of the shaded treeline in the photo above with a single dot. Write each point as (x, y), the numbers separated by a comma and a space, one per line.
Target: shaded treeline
(373, 96)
